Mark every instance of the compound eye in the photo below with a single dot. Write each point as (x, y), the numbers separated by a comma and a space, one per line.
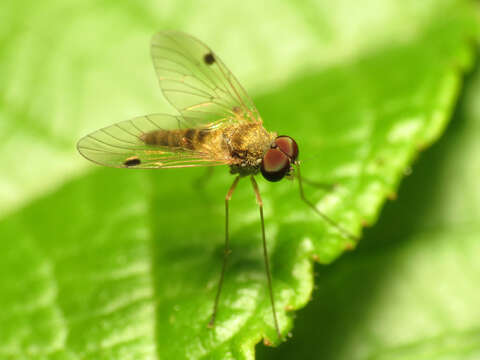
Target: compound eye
(288, 146)
(275, 165)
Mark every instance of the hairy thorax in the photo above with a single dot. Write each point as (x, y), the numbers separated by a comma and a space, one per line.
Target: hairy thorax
(247, 143)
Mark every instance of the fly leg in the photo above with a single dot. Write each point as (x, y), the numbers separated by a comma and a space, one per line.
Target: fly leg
(326, 218)
(225, 253)
(327, 187)
(203, 179)
(265, 255)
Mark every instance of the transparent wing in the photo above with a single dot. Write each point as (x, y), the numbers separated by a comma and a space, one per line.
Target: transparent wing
(123, 145)
(197, 83)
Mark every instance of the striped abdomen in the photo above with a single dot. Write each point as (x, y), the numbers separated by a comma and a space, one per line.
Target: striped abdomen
(191, 139)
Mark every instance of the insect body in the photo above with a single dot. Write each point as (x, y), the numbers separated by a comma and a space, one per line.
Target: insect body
(241, 145)
(217, 124)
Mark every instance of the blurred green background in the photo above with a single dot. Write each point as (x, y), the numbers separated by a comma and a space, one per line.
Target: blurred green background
(113, 264)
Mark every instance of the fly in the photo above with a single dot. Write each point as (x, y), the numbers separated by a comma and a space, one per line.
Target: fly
(217, 124)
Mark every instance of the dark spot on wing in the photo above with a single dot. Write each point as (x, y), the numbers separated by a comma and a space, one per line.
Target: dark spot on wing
(132, 161)
(209, 59)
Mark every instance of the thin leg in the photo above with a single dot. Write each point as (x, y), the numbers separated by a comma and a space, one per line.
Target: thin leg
(265, 255)
(225, 253)
(327, 219)
(320, 185)
(202, 180)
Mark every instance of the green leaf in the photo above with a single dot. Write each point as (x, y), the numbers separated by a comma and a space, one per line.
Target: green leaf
(410, 290)
(113, 264)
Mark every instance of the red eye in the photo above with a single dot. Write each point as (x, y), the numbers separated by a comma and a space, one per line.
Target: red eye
(288, 146)
(275, 165)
